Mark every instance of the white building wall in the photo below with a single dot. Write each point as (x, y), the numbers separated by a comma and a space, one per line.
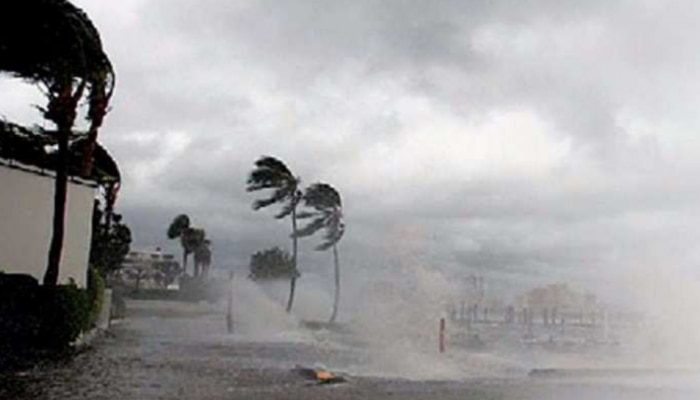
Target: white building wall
(26, 214)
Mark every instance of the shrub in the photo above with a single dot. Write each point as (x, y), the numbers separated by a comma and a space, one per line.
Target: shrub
(19, 321)
(64, 314)
(95, 294)
(34, 317)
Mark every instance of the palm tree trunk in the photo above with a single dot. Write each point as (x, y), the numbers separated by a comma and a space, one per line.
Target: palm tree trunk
(293, 279)
(336, 300)
(184, 262)
(61, 110)
(59, 207)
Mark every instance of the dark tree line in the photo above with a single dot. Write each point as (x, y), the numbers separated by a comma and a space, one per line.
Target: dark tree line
(193, 241)
(271, 264)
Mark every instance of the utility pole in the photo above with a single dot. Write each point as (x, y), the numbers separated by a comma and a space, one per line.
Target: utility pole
(229, 308)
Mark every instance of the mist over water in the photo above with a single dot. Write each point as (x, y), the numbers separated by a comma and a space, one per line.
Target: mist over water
(393, 331)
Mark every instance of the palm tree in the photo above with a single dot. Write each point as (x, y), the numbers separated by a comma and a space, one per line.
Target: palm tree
(180, 228)
(271, 173)
(54, 44)
(202, 257)
(327, 214)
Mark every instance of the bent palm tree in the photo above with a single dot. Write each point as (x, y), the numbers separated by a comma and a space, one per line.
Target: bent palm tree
(202, 258)
(271, 173)
(54, 44)
(328, 215)
(180, 228)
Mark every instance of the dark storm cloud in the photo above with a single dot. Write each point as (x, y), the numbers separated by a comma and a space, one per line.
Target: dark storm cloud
(405, 107)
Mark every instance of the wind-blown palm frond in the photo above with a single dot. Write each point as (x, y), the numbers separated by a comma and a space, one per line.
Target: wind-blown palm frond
(271, 173)
(191, 239)
(289, 207)
(306, 214)
(334, 232)
(322, 197)
(54, 43)
(277, 196)
(327, 212)
(178, 226)
(312, 227)
(327, 206)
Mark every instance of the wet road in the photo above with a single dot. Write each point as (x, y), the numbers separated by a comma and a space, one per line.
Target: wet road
(181, 351)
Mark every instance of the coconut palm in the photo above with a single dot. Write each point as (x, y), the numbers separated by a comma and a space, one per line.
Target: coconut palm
(327, 214)
(55, 45)
(192, 240)
(271, 173)
(202, 257)
(180, 228)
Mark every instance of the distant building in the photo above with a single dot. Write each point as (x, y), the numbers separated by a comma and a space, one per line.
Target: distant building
(149, 269)
(558, 296)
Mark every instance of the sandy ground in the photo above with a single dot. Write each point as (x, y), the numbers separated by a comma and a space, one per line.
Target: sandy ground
(167, 350)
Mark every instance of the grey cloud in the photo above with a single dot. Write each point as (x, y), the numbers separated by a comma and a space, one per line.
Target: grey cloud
(320, 84)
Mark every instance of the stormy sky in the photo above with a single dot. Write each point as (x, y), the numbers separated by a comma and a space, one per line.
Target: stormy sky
(530, 142)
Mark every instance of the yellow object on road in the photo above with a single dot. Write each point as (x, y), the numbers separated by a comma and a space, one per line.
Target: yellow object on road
(322, 375)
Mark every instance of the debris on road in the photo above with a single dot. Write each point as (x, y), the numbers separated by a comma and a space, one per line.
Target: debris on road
(320, 376)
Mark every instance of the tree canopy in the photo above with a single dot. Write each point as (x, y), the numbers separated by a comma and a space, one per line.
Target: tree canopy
(53, 43)
(326, 213)
(271, 173)
(110, 242)
(272, 264)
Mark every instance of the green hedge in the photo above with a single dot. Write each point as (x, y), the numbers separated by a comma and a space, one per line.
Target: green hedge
(37, 318)
(65, 313)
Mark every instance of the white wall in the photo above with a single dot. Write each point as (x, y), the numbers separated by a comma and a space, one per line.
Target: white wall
(26, 213)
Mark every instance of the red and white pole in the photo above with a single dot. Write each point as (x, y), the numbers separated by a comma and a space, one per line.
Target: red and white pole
(441, 337)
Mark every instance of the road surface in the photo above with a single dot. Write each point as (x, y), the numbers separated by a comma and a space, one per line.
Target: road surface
(170, 350)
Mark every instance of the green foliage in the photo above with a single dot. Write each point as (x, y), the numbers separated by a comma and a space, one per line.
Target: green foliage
(111, 241)
(64, 314)
(19, 321)
(192, 240)
(271, 173)
(326, 213)
(95, 292)
(34, 317)
(54, 44)
(271, 264)
(202, 258)
(178, 226)
(56, 38)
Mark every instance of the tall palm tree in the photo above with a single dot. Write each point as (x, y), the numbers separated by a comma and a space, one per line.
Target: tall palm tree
(202, 258)
(54, 44)
(191, 239)
(327, 214)
(180, 228)
(271, 173)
